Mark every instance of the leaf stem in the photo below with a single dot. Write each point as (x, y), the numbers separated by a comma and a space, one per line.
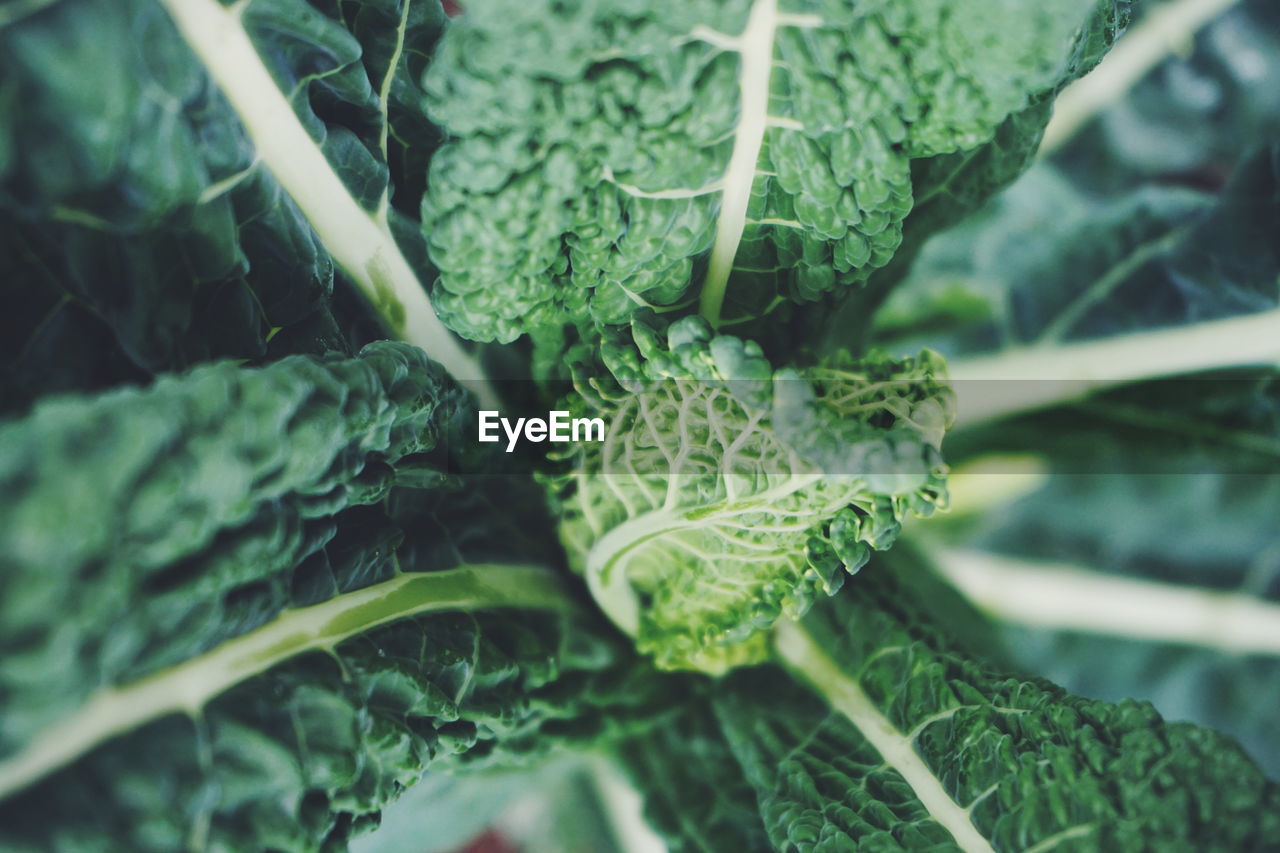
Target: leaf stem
(1167, 28)
(187, 687)
(1060, 596)
(755, 47)
(1022, 380)
(624, 809)
(802, 654)
(359, 241)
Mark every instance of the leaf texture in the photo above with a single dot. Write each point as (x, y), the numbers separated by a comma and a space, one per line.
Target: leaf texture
(141, 231)
(726, 495)
(201, 506)
(303, 757)
(1021, 764)
(608, 171)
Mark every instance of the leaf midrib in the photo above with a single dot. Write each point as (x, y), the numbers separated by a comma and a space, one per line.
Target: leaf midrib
(188, 686)
(360, 242)
(801, 652)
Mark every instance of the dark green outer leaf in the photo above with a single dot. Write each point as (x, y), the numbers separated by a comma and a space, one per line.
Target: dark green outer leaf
(1172, 482)
(1234, 693)
(404, 32)
(1175, 483)
(1034, 762)
(1031, 762)
(1190, 119)
(301, 758)
(696, 795)
(1045, 264)
(139, 233)
(142, 526)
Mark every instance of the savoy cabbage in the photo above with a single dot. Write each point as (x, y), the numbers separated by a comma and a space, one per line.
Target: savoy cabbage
(265, 262)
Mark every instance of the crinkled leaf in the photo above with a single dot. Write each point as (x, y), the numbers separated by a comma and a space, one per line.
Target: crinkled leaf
(603, 150)
(304, 756)
(726, 495)
(695, 793)
(140, 230)
(968, 757)
(158, 522)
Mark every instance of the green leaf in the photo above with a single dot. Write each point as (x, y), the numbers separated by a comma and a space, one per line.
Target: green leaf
(137, 246)
(1044, 263)
(1192, 116)
(1159, 499)
(908, 743)
(709, 144)
(157, 522)
(1190, 610)
(159, 211)
(726, 495)
(303, 756)
(396, 41)
(947, 189)
(1159, 283)
(253, 551)
(999, 282)
(696, 795)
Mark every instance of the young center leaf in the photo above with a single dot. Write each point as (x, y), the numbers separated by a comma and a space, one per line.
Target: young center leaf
(727, 494)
